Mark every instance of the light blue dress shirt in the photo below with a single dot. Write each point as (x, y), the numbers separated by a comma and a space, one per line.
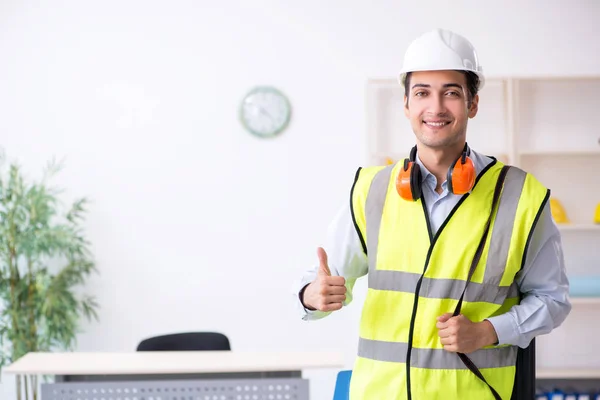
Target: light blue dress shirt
(543, 279)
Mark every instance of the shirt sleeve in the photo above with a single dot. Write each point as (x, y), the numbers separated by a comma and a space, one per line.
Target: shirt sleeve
(345, 256)
(545, 287)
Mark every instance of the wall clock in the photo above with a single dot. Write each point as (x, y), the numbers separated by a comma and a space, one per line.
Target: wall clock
(265, 111)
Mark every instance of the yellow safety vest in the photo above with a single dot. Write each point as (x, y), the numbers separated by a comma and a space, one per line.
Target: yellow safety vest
(414, 277)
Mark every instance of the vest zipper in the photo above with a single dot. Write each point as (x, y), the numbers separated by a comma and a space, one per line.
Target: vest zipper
(416, 302)
(432, 239)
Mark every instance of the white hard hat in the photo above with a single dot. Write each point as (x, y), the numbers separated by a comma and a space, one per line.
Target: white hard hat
(441, 50)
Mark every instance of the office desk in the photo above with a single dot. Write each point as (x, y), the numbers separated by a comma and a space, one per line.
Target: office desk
(203, 375)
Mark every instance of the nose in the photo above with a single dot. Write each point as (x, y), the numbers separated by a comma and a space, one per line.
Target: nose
(436, 105)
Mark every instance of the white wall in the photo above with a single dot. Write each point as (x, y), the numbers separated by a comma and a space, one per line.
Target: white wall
(195, 224)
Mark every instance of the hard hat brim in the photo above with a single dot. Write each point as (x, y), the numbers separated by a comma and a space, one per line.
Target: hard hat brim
(402, 75)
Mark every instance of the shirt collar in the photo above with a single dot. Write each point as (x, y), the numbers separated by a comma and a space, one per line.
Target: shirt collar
(480, 161)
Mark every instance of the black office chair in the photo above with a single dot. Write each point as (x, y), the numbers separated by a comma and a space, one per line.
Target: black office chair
(525, 379)
(189, 341)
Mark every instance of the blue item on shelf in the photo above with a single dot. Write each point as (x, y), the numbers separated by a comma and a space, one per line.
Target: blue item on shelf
(584, 286)
(557, 395)
(342, 385)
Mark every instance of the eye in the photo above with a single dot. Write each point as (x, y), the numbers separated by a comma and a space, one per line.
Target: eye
(420, 93)
(453, 93)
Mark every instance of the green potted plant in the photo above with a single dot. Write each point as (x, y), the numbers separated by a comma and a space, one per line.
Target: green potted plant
(44, 259)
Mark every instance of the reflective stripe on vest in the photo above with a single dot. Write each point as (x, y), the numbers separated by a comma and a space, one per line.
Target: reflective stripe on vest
(435, 358)
(400, 281)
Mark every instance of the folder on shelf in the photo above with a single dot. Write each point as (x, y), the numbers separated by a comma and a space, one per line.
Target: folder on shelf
(584, 285)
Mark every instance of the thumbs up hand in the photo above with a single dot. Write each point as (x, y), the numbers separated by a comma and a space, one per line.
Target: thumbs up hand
(326, 292)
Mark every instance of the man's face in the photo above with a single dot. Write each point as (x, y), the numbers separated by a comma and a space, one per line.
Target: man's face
(437, 107)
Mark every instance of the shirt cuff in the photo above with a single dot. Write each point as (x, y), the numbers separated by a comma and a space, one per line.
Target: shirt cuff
(310, 315)
(506, 329)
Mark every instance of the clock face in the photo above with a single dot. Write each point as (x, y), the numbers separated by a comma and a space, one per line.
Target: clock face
(265, 111)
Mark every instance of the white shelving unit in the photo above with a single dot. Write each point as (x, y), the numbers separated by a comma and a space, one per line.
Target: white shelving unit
(590, 301)
(579, 227)
(573, 373)
(554, 153)
(546, 126)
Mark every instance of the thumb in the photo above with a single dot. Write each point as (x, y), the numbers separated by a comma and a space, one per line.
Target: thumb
(445, 317)
(323, 267)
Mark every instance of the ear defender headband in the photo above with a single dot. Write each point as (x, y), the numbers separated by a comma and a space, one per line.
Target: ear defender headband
(460, 178)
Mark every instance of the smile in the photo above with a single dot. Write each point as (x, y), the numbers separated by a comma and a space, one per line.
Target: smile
(436, 124)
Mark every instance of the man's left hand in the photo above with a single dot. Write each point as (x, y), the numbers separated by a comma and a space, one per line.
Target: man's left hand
(459, 334)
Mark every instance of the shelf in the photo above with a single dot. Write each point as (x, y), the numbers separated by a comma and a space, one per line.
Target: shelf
(560, 153)
(585, 300)
(500, 156)
(549, 78)
(571, 373)
(579, 227)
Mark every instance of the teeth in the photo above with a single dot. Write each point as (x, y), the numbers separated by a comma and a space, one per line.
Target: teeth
(436, 123)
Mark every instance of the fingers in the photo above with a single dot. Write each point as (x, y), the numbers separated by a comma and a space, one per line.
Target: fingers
(327, 290)
(331, 298)
(444, 333)
(338, 298)
(331, 294)
(456, 334)
(442, 325)
(333, 290)
(334, 280)
(449, 341)
(451, 348)
(331, 285)
(331, 303)
(323, 266)
(444, 318)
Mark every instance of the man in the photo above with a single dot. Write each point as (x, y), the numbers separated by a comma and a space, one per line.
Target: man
(464, 260)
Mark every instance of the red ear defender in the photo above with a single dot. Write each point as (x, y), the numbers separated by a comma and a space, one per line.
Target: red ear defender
(461, 175)
(408, 181)
(403, 180)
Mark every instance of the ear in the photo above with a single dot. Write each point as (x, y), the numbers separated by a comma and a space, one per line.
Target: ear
(474, 107)
(406, 111)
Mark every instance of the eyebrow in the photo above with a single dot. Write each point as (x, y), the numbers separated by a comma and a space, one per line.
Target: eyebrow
(445, 85)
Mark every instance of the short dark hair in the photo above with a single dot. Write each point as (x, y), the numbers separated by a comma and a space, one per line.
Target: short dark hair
(472, 84)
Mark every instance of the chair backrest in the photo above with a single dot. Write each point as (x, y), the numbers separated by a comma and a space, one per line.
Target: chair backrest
(342, 385)
(525, 377)
(189, 341)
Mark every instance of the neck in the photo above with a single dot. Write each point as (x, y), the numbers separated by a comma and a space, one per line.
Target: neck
(437, 161)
